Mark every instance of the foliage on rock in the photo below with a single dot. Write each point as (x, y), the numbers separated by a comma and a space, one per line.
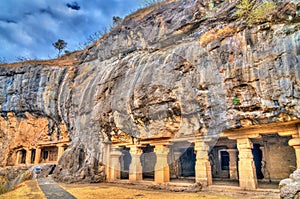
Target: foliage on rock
(254, 12)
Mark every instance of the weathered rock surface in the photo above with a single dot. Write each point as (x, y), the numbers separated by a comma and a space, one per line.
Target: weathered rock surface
(290, 187)
(167, 71)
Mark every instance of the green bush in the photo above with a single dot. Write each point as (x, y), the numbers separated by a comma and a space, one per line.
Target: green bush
(236, 100)
(244, 8)
(254, 13)
(261, 13)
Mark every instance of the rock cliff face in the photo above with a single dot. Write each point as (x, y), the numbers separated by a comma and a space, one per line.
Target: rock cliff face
(171, 70)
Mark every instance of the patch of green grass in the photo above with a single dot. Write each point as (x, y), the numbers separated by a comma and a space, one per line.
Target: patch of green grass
(236, 100)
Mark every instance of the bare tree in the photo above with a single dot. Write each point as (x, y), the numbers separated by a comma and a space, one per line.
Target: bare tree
(60, 45)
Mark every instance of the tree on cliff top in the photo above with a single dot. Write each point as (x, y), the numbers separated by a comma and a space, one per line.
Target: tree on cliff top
(60, 45)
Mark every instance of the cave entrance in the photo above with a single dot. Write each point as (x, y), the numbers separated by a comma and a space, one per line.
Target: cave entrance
(219, 161)
(257, 157)
(148, 161)
(33, 152)
(49, 154)
(187, 163)
(182, 161)
(125, 160)
(23, 156)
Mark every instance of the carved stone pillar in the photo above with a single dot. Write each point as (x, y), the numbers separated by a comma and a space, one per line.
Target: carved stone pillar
(247, 171)
(162, 171)
(233, 164)
(203, 167)
(28, 157)
(114, 165)
(37, 155)
(18, 158)
(135, 169)
(61, 151)
(295, 143)
(106, 159)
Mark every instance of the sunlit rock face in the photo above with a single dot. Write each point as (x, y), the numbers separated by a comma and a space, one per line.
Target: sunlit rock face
(173, 70)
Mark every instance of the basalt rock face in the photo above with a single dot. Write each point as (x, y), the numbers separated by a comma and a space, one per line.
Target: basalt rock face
(173, 70)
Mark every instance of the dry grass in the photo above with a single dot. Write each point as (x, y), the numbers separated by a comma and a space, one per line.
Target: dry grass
(25, 190)
(141, 13)
(216, 34)
(109, 191)
(65, 60)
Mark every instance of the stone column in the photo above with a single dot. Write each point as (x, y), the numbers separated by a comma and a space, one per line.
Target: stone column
(60, 151)
(162, 171)
(233, 164)
(106, 158)
(28, 157)
(18, 159)
(247, 171)
(203, 167)
(37, 155)
(135, 169)
(295, 143)
(115, 167)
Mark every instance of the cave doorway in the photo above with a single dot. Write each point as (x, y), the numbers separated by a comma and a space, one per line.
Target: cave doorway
(187, 163)
(148, 161)
(125, 160)
(50, 154)
(23, 156)
(33, 152)
(224, 160)
(257, 157)
(219, 161)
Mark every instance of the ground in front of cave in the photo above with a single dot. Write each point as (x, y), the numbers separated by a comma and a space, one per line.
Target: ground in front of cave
(31, 190)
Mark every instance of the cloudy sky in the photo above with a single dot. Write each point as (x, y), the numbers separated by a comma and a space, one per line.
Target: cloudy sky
(29, 27)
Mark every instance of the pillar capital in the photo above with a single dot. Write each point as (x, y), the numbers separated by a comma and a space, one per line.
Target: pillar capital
(244, 143)
(135, 150)
(161, 149)
(294, 142)
(116, 151)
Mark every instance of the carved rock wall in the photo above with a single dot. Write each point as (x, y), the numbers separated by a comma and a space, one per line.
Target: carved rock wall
(173, 70)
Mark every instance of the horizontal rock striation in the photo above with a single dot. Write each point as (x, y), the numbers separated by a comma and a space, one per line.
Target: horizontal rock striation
(177, 69)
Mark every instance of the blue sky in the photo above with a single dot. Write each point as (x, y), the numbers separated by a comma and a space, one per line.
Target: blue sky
(29, 27)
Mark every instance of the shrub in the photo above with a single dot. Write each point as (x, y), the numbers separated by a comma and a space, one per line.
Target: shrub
(236, 100)
(244, 8)
(254, 13)
(261, 13)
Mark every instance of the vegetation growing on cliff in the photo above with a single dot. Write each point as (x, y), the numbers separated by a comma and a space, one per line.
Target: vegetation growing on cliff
(255, 13)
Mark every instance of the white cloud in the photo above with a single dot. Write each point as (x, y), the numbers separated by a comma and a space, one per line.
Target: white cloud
(35, 24)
